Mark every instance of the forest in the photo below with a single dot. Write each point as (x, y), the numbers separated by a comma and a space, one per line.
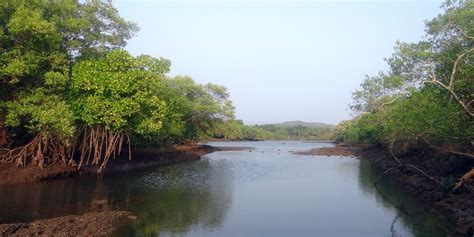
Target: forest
(426, 98)
(71, 94)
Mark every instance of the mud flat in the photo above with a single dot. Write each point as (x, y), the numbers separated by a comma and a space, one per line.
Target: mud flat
(338, 150)
(89, 224)
(442, 166)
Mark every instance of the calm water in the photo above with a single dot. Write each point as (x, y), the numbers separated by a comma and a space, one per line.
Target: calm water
(265, 191)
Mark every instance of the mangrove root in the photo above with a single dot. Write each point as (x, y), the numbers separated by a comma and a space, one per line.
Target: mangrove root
(465, 178)
(44, 148)
(98, 145)
(400, 165)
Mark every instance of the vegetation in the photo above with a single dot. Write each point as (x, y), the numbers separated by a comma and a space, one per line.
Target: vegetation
(299, 130)
(70, 93)
(294, 130)
(426, 98)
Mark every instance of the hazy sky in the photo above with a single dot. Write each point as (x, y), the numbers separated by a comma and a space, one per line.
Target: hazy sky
(280, 60)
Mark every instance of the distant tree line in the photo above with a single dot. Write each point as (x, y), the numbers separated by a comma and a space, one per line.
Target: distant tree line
(237, 130)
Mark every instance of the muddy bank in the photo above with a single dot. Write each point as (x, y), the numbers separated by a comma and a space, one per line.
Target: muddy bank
(106, 223)
(442, 166)
(141, 158)
(338, 150)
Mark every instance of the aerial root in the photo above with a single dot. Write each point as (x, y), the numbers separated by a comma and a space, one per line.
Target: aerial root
(401, 165)
(39, 149)
(99, 145)
(96, 146)
(464, 179)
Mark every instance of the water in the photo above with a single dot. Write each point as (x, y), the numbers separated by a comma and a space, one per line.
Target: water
(263, 191)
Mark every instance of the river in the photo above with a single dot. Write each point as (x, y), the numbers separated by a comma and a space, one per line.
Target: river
(265, 190)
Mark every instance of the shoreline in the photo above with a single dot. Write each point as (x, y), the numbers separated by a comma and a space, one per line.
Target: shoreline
(104, 223)
(460, 205)
(443, 166)
(141, 159)
(339, 150)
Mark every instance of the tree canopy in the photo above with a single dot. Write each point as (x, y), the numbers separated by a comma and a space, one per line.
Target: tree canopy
(70, 93)
(426, 98)
(427, 94)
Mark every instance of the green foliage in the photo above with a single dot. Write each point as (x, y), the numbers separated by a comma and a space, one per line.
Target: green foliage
(364, 129)
(64, 77)
(201, 107)
(427, 93)
(119, 92)
(298, 131)
(427, 114)
(39, 42)
(236, 130)
(38, 37)
(341, 130)
(42, 112)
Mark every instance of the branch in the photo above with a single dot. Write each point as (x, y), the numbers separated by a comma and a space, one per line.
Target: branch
(389, 102)
(458, 59)
(449, 88)
(466, 177)
(460, 30)
(468, 104)
(400, 164)
(447, 150)
(468, 111)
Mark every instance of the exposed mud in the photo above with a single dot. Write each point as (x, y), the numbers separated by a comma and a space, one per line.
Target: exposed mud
(106, 223)
(338, 150)
(444, 167)
(141, 158)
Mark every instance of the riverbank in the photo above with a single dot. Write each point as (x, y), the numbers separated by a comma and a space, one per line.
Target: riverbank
(440, 165)
(141, 158)
(338, 150)
(99, 221)
(106, 223)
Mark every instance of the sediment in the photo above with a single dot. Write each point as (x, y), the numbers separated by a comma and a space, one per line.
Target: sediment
(338, 150)
(106, 223)
(101, 221)
(141, 158)
(442, 166)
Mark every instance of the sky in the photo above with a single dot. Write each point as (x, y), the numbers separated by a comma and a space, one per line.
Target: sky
(280, 60)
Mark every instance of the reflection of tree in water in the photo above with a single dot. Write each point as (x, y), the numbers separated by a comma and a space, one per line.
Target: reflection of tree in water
(411, 213)
(170, 200)
(30, 201)
(176, 198)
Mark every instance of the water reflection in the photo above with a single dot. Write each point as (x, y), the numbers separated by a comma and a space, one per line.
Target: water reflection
(180, 198)
(172, 199)
(412, 215)
(267, 191)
